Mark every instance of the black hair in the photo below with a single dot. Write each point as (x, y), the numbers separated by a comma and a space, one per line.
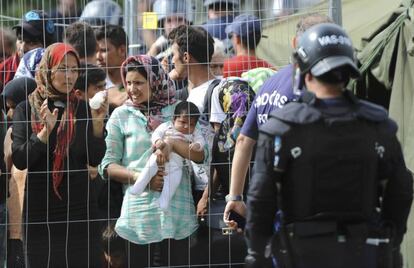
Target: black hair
(114, 33)
(252, 40)
(29, 38)
(194, 40)
(135, 66)
(81, 36)
(113, 245)
(187, 108)
(89, 75)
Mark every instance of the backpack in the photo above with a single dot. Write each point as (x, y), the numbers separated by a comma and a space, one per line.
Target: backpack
(236, 97)
(207, 99)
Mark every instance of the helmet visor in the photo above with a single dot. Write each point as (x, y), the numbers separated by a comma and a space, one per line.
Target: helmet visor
(331, 63)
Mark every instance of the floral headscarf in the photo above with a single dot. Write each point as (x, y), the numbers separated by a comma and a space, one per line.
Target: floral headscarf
(163, 89)
(235, 97)
(52, 57)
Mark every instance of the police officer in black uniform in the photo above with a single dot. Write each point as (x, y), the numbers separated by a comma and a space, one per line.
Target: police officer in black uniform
(333, 165)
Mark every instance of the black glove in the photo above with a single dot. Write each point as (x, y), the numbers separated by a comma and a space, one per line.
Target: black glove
(15, 256)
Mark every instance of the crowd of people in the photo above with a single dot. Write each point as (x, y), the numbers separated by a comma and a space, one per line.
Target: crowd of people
(118, 160)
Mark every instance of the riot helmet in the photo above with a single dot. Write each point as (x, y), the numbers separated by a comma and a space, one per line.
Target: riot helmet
(234, 3)
(166, 8)
(101, 12)
(324, 48)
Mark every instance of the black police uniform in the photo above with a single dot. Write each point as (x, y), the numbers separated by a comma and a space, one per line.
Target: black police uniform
(331, 160)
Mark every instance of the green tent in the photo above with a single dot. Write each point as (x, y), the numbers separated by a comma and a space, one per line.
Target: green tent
(360, 18)
(388, 65)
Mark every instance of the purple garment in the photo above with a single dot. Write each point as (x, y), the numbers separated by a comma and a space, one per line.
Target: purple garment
(274, 94)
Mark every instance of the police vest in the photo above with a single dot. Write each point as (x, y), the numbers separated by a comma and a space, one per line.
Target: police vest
(332, 163)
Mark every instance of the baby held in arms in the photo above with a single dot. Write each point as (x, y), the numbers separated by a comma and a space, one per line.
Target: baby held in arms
(182, 127)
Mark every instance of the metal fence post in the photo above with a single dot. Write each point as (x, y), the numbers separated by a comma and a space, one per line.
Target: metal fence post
(335, 11)
(130, 25)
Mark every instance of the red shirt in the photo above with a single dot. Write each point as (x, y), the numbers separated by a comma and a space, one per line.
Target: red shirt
(7, 70)
(240, 64)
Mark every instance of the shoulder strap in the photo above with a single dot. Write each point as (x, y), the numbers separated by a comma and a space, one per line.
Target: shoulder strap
(207, 97)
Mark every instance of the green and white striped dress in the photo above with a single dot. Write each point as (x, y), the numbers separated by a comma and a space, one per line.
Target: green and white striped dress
(142, 221)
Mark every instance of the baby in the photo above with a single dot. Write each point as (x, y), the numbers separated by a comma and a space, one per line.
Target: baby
(182, 127)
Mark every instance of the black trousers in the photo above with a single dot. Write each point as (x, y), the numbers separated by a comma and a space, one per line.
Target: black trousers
(169, 252)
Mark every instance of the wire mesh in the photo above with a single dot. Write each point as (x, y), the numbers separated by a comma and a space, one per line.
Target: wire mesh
(80, 222)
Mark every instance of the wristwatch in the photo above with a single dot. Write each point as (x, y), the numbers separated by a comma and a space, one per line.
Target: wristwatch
(231, 197)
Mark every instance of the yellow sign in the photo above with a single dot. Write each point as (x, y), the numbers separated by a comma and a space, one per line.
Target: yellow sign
(150, 20)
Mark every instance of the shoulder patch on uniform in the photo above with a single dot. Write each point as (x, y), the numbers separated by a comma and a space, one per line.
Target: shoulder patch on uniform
(296, 152)
(380, 149)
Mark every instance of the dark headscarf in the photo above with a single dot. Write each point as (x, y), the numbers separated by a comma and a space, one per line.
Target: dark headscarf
(18, 89)
(52, 57)
(162, 88)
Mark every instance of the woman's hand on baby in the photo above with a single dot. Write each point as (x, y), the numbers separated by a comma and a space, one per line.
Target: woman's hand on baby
(159, 144)
(161, 157)
(163, 154)
(157, 182)
(195, 147)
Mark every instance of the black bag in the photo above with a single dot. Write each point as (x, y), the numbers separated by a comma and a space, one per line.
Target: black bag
(214, 218)
(217, 244)
(214, 248)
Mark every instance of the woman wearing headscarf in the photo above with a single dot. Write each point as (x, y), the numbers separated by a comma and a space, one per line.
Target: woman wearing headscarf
(55, 136)
(142, 222)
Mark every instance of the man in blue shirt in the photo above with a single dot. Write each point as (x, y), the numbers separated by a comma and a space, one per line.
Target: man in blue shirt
(274, 94)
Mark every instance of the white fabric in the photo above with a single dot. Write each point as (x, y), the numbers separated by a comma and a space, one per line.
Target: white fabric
(167, 130)
(173, 169)
(197, 94)
(109, 83)
(217, 114)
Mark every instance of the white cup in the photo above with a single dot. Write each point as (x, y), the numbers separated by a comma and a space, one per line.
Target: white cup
(97, 100)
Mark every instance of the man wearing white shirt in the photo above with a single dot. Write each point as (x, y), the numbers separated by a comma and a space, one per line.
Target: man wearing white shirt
(192, 50)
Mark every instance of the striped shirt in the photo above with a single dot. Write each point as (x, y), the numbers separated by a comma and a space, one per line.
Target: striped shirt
(142, 221)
